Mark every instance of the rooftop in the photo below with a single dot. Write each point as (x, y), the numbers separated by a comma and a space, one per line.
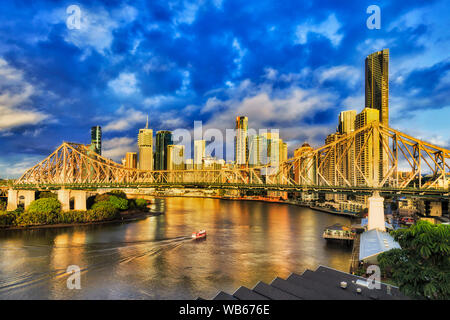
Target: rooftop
(374, 242)
(322, 284)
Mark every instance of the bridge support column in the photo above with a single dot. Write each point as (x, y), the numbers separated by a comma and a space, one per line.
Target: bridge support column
(64, 198)
(12, 199)
(376, 213)
(80, 197)
(29, 196)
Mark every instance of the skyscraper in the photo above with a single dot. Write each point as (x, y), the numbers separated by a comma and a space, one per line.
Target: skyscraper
(346, 153)
(347, 121)
(175, 157)
(96, 139)
(254, 150)
(131, 160)
(283, 151)
(377, 84)
(199, 153)
(377, 96)
(145, 144)
(368, 149)
(163, 139)
(241, 143)
(270, 150)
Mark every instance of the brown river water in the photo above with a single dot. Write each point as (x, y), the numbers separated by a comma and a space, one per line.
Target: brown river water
(155, 258)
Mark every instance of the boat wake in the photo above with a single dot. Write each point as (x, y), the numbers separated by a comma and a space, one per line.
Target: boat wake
(99, 255)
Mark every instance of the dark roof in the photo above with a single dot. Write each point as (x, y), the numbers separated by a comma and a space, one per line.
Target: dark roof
(321, 284)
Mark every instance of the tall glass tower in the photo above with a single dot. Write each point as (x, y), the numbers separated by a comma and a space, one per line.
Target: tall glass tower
(163, 139)
(96, 139)
(377, 97)
(145, 144)
(377, 84)
(241, 142)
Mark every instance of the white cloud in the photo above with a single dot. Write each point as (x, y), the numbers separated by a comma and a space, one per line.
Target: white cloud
(187, 13)
(329, 28)
(240, 52)
(15, 167)
(124, 119)
(270, 108)
(96, 28)
(429, 125)
(349, 74)
(354, 103)
(15, 97)
(116, 148)
(124, 84)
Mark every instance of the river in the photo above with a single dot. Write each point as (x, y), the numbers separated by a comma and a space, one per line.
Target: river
(155, 258)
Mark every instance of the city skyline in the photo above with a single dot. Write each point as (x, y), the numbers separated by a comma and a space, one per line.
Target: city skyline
(307, 90)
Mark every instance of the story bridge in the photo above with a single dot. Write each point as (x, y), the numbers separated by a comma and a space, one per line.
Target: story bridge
(372, 158)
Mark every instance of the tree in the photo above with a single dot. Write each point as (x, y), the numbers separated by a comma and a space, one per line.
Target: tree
(40, 211)
(141, 203)
(119, 203)
(47, 194)
(421, 268)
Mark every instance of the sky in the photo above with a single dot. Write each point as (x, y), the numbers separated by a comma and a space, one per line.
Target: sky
(288, 65)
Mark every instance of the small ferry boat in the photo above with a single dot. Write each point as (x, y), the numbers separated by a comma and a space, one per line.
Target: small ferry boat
(199, 235)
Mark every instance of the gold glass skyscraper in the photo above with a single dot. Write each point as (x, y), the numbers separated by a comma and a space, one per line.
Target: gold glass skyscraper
(145, 144)
(377, 84)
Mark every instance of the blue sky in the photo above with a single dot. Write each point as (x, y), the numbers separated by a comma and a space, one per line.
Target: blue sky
(290, 65)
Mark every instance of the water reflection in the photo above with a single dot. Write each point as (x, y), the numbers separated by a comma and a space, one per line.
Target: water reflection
(156, 259)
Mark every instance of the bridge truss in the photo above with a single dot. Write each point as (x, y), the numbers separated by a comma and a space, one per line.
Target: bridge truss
(371, 157)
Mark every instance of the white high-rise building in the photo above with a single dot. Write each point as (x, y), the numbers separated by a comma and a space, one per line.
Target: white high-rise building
(199, 153)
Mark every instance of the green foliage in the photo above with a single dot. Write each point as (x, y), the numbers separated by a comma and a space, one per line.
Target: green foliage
(102, 197)
(118, 193)
(141, 203)
(422, 267)
(7, 219)
(41, 211)
(3, 205)
(104, 210)
(47, 194)
(73, 217)
(119, 203)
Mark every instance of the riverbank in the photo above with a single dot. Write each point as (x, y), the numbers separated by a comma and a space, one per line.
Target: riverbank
(126, 216)
(265, 200)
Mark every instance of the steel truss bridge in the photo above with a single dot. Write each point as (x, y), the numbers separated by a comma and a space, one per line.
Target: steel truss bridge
(371, 158)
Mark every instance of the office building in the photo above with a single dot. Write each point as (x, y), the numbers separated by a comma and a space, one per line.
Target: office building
(346, 126)
(175, 157)
(163, 139)
(377, 84)
(189, 164)
(270, 152)
(330, 173)
(96, 139)
(368, 149)
(347, 121)
(131, 160)
(199, 153)
(212, 163)
(377, 95)
(254, 150)
(145, 145)
(241, 141)
(283, 151)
